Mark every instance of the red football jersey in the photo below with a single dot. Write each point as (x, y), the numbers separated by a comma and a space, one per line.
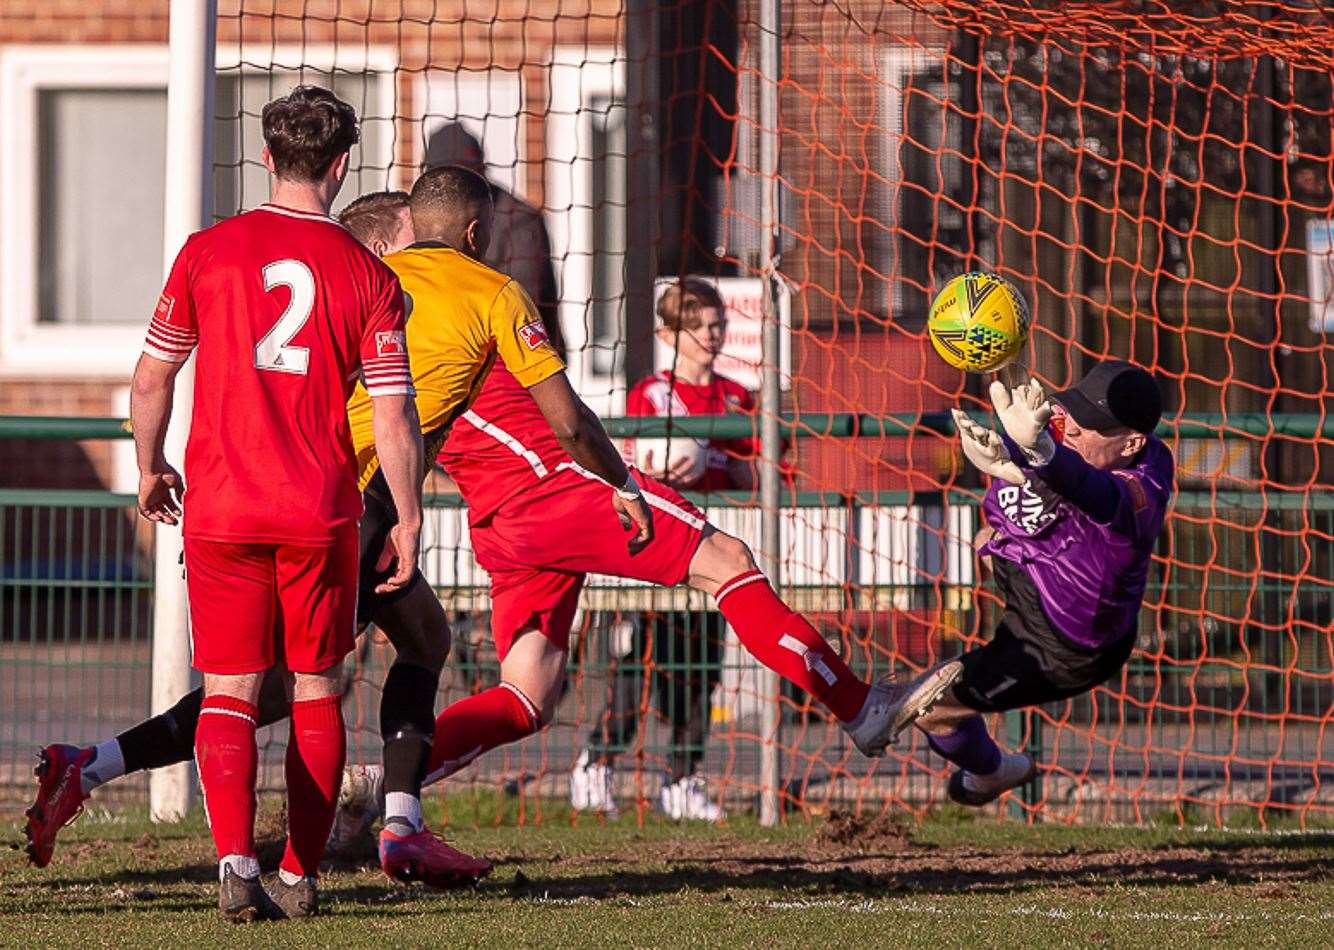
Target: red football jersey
(663, 395)
(287, 310)
(500, 446)
(503, 444)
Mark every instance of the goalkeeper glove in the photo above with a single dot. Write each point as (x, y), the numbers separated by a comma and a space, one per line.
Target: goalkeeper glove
(985, 450)
(1024, 412)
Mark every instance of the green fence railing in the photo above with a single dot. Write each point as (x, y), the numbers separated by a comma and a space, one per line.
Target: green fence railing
(804, 426)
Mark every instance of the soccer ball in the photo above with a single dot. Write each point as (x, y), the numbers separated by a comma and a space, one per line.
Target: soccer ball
(978, 322)
(657, 457)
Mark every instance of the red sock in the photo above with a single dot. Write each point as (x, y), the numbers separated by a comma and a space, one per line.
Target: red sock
(316, 751)
(466, 729)
(787, 644)
(227, 757)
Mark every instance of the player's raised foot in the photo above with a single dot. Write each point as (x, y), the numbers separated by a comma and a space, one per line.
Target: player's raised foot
(892, 707)
(422, 857)
(360, 803)
(299, 899)
(243, 900)
(688, 799)
(967, 788)
(593, 786)
(59, 799)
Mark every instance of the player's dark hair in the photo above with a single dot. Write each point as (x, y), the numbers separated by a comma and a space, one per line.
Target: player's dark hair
(450, 190)
(374, 216)
(306, 130)
(682, 304)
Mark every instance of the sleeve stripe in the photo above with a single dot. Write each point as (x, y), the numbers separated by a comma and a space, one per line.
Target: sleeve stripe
(167, 343)
(168, 331)
(169, 347)
(380, 377)
(164, 355)
(404, 389)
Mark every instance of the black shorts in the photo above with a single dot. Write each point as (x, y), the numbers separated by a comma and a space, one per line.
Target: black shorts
(1021, 667)
(379, 517)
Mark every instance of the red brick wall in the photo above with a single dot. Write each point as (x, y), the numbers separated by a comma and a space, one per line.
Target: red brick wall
(39, 463)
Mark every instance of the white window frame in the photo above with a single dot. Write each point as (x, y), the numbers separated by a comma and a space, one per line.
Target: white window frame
(28, 347)
(579, 76)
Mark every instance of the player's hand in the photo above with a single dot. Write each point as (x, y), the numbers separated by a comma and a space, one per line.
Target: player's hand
(649, 466)
(985, 450)
(1024, 411)
(160, 495)
(678, 475)
(400, 549)
(634, 513)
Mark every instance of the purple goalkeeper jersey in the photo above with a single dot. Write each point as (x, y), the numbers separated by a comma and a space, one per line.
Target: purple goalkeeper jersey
(1090, 573)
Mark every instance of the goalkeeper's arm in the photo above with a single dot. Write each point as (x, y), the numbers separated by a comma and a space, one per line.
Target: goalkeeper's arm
(1093, 491)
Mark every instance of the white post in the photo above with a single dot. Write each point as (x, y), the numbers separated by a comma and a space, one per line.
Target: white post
(188, 191)
(771, 444)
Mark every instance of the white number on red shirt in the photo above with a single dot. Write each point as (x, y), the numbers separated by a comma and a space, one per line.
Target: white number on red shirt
(274, 352)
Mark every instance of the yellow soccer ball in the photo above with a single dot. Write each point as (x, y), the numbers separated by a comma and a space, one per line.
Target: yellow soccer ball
(978, 322)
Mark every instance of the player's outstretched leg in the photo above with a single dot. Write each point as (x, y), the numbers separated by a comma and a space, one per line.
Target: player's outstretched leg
(67, 775)
(409, 853)
(984, 771)
(785, 642)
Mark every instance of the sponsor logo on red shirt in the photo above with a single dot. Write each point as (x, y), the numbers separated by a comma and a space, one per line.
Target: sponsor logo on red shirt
(164, 304)
(390, 343)
(534, 335)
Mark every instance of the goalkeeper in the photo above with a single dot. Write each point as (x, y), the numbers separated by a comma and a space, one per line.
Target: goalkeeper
(1079, 489)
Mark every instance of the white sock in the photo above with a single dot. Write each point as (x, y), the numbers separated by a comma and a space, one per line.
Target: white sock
(243, 865)
(108, 763)
(403, 808)
(289, 878)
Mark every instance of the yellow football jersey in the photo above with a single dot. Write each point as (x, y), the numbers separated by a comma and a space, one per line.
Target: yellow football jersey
(464, 315)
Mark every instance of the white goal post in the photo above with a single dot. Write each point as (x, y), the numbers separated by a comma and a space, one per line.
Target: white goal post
(188, 174)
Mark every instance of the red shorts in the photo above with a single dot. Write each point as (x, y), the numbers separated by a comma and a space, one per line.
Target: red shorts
(253, 604)
(538, 546)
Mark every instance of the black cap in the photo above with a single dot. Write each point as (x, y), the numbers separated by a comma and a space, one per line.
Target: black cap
(1114, 395)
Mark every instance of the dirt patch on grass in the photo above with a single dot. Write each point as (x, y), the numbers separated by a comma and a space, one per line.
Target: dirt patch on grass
(874, 857)
(844, 831)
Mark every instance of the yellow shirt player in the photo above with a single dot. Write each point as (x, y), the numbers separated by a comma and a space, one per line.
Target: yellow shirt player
(464, 316)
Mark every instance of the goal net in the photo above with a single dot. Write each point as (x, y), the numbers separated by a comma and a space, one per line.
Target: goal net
(1155, 177)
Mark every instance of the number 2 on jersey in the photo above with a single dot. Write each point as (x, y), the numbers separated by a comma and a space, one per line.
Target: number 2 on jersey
(274, 352)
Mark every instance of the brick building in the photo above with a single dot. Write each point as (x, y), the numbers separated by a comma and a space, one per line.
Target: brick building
(542, 84)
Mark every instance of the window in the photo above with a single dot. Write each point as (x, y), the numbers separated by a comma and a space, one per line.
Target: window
(487, 105)
(586, 155)
(100, 155)
(240, 180)
(607, 307)
(923, 230)
(82, 155)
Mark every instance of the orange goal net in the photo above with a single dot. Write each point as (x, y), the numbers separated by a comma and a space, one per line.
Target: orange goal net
(1155, 176)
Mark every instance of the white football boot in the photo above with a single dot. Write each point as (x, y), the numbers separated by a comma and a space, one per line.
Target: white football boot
(892, 707)
(688, 800)
(592, 786)
(360, 803)
(967, 788)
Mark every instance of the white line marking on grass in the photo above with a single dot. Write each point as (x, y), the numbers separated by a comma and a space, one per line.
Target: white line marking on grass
(891, 906)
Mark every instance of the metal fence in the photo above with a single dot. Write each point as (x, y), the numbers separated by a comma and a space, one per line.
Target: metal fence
(1225, 708)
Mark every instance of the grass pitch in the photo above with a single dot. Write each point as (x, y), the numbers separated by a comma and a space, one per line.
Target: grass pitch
(118, 880)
